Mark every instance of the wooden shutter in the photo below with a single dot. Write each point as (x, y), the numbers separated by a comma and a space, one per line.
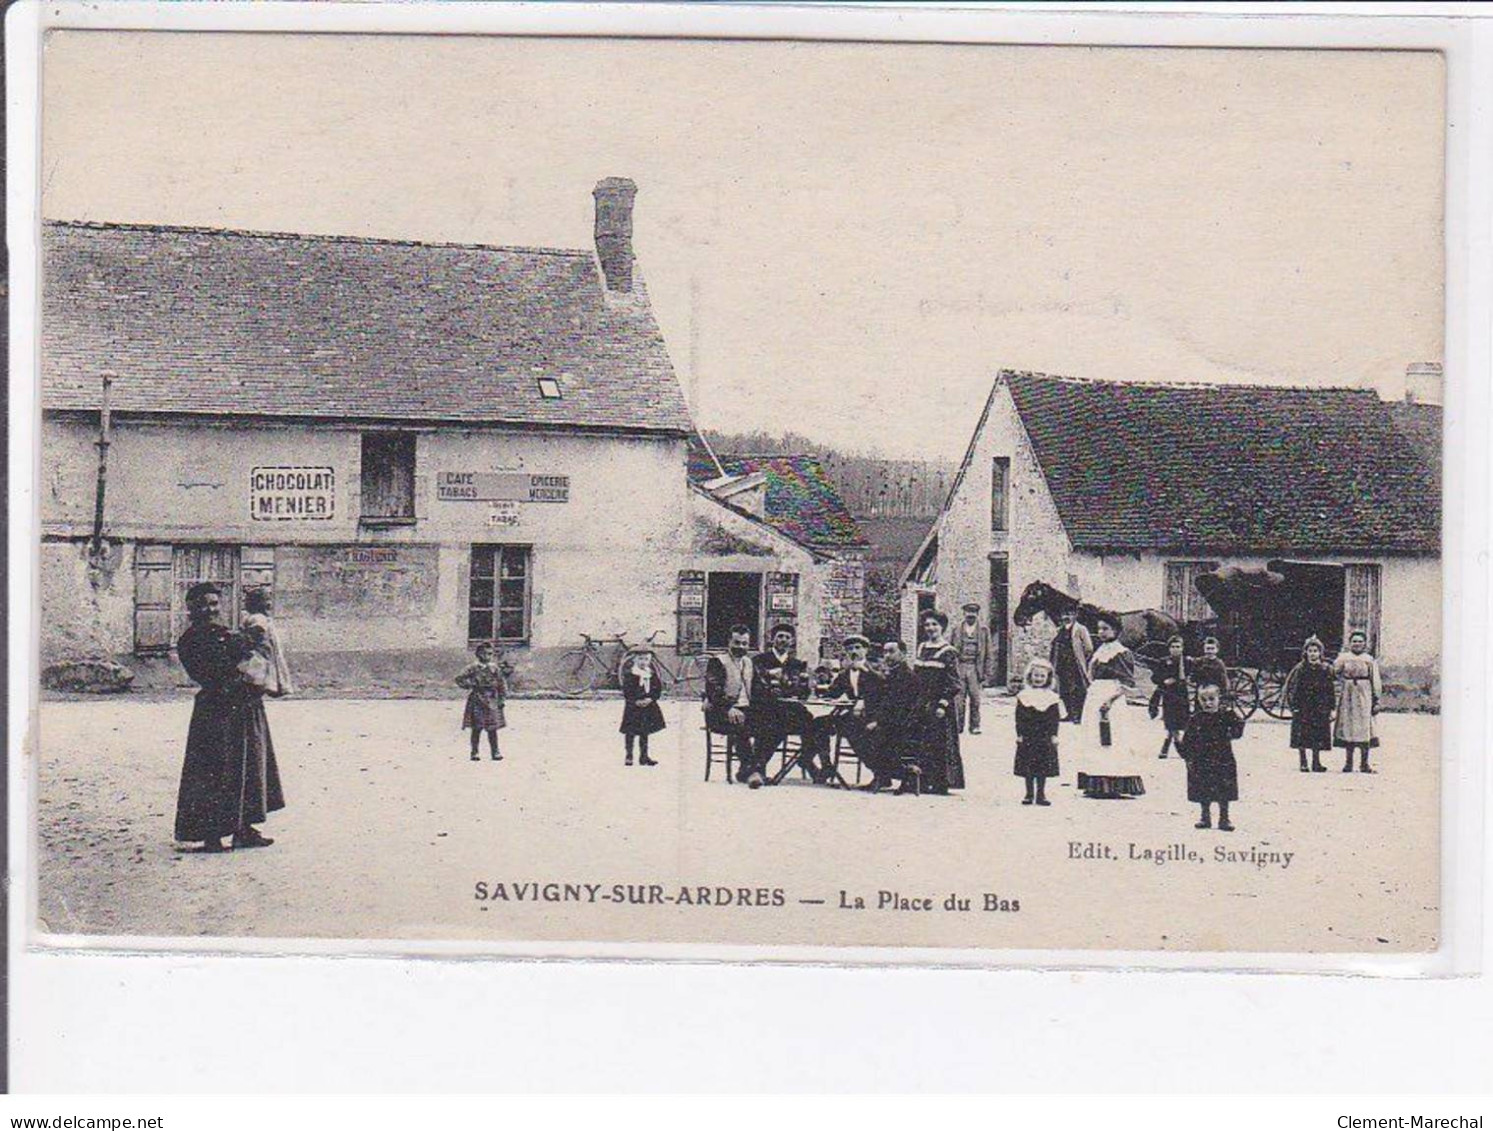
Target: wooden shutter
(1363, 602)
(422, 496)
(690, 612)
(1181, 599)
(152, 600)
(257, 568)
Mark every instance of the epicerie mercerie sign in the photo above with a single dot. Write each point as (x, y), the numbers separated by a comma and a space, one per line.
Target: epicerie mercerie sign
(292, 494)
(501, 487)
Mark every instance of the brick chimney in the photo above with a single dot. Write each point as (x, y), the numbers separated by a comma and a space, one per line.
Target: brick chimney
(614, 197)
(1423, 383)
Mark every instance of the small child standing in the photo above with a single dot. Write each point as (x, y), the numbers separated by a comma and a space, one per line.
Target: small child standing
(486, 689)
(1311, 693)
(1208, 748)
(1038, 712)
(1171, 699)
(641, 714)
(1210, 669)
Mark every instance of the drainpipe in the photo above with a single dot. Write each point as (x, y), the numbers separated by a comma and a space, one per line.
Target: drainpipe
(103, 468)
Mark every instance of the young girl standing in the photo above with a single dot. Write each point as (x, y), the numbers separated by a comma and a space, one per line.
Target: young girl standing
(1358, 694)
(486, 690)
(1171, 699)
(1038, 712)
(641, 714)
(1208, 747)
(1310, 693)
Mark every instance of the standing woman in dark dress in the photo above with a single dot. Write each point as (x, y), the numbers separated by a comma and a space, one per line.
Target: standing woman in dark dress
(1311, 693)
(641, 714)
(229, 780)
(937, 672)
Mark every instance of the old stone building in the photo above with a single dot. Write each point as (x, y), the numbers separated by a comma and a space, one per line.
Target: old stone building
(416, 446)
(1121, 494)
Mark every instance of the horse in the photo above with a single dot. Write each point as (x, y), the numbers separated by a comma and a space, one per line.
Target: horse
(1138, 628)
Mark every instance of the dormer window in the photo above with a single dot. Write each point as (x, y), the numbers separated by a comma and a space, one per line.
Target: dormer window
(549, 388)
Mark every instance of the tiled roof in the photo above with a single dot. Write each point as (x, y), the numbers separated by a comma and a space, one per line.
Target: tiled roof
(224, 322)
(1421, 425)
(801, 502)
(1227, 468)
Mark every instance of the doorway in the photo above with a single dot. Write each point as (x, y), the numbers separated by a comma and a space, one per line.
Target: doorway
(731, 599)
(1000, 615)
(1311, 602)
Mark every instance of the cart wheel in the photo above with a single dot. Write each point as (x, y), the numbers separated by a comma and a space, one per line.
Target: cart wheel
(1244, 692)
(1272, 686)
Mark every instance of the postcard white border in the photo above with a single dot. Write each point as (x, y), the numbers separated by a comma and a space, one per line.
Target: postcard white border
(1468, 47)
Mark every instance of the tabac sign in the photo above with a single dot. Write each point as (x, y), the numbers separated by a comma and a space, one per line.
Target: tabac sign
(292, 494)
(501, 487)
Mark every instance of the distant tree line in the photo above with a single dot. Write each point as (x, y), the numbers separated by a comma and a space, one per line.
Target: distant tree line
(871, 485)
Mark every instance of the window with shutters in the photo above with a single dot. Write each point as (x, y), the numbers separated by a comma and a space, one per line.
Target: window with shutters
(388, 480)
(499, 597)
(1363, 602)
(1182, 600)
(164, 573)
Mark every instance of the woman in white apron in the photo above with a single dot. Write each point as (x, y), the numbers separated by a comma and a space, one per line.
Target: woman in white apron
(1111, 733)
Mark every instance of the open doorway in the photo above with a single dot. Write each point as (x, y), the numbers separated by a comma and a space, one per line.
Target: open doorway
(731, 599)
(1311, 602)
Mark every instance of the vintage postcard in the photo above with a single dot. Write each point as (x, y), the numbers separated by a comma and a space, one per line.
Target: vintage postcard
(771, 495)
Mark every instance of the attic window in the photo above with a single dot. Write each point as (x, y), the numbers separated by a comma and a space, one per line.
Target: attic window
(549, 388)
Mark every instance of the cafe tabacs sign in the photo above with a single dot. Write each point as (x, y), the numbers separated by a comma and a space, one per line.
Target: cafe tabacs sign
(292, 494)
(501, 487)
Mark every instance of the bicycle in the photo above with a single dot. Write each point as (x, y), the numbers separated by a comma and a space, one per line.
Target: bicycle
(686, 674)
(590, 670)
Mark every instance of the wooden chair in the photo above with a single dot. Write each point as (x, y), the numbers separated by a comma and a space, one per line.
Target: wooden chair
(719, 748)
(845, 749)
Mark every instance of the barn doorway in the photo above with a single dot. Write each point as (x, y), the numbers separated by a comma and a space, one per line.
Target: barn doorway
(730, 599)
(1311, 603)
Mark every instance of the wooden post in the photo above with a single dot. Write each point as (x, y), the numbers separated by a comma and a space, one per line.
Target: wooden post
(103, 466)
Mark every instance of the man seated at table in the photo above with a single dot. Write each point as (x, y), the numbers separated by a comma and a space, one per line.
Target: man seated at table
(781, 683)
(860, 686)
(728, 698)
(894, 712)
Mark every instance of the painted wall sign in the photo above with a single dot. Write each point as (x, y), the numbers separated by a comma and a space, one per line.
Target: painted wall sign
(505, 515)
(292, 494)
(501, 486)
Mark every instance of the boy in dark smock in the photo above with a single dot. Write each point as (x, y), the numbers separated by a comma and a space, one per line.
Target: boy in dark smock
(1208, 747)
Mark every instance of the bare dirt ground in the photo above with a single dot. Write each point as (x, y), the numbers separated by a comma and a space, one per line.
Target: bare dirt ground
(390, 830)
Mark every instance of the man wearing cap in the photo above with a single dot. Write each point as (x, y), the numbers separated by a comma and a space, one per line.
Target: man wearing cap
(229, 780)
(971, 640)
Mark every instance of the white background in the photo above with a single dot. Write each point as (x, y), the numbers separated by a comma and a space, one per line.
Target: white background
(117, 1023)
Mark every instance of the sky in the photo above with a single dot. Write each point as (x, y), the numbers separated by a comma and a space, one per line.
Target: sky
(844, 240)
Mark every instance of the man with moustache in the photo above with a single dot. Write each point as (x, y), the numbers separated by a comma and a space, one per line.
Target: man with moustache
(855, 723)
(971, 640)
(728, 699)
(780, 684)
